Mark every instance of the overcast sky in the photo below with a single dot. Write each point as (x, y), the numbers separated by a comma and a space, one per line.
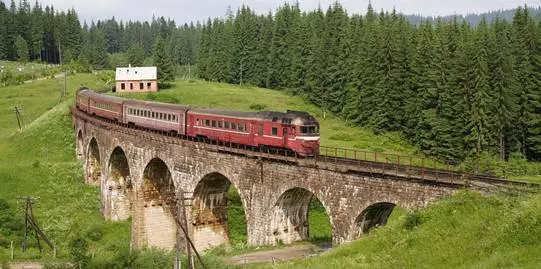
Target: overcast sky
(192, 10)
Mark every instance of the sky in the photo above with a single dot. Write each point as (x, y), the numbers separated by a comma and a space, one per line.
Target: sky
(193, 10)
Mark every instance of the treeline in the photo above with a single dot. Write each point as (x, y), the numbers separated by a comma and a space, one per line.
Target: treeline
(34, 33)
(454, 90)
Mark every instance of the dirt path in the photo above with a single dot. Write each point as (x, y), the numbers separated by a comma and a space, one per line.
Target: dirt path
(283, 254)
(25, 265)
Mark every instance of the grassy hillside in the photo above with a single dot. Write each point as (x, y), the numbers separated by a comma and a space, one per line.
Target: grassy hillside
(40, 162)
(465, 231)
(334, 132)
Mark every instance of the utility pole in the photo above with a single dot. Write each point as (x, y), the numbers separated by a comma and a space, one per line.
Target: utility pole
(30, 223)
(18, 114)
(181, 211)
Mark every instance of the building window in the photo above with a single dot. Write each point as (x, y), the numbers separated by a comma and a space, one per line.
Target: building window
(122, 86)
(131, 86)
(274, 131)
(148, 85)
(141, 87)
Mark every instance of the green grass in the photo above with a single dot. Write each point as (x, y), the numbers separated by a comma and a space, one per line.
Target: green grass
(334, 131)
(464, 231)
(40, 161)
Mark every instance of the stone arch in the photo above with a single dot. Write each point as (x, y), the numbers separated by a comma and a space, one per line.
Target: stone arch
(375, 215)
(80, 144)
(158, 206)
(289, 221)
(93, 163)
(209, 212)
(118, 188)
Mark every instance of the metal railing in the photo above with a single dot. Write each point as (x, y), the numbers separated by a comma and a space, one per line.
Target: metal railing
(341, 159)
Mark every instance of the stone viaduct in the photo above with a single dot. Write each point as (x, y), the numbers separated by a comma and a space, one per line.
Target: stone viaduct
(143, 174)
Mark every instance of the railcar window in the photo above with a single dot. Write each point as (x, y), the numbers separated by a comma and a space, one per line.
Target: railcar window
(220, 124)
(174, 118)
(169, 117)
(274, 131)
(227, 125)
(233, 126)
(207, 122)
(241, 127)
(214, 123)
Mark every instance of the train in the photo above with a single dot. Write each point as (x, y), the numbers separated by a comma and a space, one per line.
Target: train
(292, 131)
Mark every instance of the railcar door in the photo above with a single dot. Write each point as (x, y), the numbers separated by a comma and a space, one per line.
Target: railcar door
(285, 135)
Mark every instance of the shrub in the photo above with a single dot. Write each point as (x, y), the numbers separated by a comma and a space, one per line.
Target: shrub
(258, 107)
(412, 220)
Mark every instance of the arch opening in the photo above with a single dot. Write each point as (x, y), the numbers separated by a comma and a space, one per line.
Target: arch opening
(80, 147)
(158, 206)
(118, 188)
(374, 216)
(216, 202)
(94, 163)
(299, 215)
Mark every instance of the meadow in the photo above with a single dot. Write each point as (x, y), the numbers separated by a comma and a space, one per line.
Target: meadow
(465, 231)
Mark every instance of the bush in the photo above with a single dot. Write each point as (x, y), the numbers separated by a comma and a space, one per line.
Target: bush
(258, 107)
(95, 233)
(412, 220)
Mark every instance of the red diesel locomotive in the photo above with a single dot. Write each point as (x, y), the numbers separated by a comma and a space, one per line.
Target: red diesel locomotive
(293, 130)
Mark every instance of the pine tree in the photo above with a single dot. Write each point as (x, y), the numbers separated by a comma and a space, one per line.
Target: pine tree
(163, 61)
(22, 49)
(262, 55)
(136, 55)
(4, 14)
(478, 123)
(502, 85)
(336, 75)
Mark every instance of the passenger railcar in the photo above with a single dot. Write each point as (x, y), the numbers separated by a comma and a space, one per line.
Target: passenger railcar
(293, 130)
(157, 116)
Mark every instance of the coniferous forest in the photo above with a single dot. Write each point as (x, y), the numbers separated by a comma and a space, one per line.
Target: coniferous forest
(454, 89)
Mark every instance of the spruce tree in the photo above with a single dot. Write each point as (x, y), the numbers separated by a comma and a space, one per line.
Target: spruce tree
(22, 49)
(163, 61)
(502, 85)
(136, 54)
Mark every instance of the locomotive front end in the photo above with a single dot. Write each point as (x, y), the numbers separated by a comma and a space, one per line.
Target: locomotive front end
(307, 134)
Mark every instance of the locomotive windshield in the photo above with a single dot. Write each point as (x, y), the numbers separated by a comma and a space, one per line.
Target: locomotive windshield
(314, 129)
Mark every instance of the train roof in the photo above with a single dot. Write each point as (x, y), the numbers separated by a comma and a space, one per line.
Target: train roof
(288, 117)
(285, 117)
(140, 103)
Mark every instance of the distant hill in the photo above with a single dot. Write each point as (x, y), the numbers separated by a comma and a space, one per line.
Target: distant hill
(474, 19)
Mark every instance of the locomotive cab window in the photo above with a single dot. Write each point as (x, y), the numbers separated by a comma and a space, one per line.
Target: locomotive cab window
(241, 127)
(274, 131)
(309, 129)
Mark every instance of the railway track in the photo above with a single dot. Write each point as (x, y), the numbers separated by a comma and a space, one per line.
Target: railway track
(353, 161)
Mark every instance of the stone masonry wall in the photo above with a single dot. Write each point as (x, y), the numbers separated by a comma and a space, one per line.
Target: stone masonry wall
(275, 195)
